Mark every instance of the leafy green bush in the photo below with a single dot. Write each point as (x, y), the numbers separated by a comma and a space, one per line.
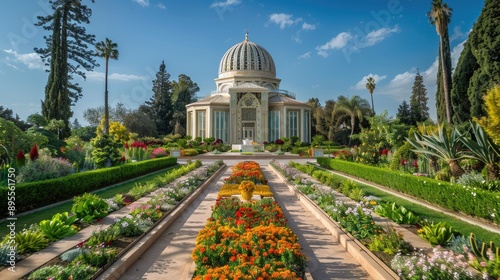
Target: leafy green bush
(41, 193)
(190, 152)
(106, 151)
(44, 168)
(389, 242)
(436, 233)
(476, 202)
(30, 240)
(97, 257)
(399, 215)
(88, 207)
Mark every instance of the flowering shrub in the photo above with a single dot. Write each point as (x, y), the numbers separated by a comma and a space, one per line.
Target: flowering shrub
(133, 225)
(159, 152)
(44, 168)
(254, 176)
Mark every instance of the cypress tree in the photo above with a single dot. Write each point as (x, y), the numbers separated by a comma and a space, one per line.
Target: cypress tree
(484, 42)
(161, 101)
(66, 53)
(418, 101)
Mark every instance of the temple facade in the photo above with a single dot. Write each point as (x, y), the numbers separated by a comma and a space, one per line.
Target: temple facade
(248, 103)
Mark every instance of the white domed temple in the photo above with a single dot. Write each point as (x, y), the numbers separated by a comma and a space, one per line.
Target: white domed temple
(248, 103)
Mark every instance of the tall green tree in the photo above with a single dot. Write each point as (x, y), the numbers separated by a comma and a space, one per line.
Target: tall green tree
(161, 101)
(94, 115)
(404, 114)
(315, 105)
(440, 16)
(108, 50)
(183, 93)
(353, 109)
(370, 86)
(461, 76)
(66, 53)
(478, 69)
(418, 101)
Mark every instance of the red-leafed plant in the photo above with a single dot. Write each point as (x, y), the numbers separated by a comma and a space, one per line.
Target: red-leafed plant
(34, 153)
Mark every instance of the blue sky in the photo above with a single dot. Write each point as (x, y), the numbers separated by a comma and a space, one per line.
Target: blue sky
(321, 49)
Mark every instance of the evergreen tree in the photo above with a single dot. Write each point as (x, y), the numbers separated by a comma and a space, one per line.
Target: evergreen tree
(314, 103)
(440, 16)
(183, 93)
(404, 114)
(418, 100)
(463, 72)
(66, 53)
(161, 102)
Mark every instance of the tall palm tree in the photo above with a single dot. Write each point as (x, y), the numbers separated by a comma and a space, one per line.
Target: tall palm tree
(350, 109)
(370, 86)
(106, 49)
(440, 16)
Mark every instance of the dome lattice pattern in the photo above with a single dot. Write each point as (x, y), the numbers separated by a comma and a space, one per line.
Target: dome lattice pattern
(247, 56)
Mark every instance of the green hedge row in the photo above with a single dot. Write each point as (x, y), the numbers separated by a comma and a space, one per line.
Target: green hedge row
(471, 201)
(37, 194)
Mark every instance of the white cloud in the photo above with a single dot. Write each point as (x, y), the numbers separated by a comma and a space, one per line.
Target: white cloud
(307, 26)
(336, 42)
(362, 83)
(377, 36)
(143, 3)
(99, 76)
(457, 33)
(305, 55)
(31, 60)
(225, 4)
(161, 6)
(283, 20)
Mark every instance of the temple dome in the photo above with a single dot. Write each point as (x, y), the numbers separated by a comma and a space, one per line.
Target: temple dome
(247, 56)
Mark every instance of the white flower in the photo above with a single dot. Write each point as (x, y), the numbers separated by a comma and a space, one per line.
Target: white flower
(124, 224)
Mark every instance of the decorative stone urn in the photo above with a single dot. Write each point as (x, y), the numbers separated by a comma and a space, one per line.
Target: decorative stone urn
(246, 189)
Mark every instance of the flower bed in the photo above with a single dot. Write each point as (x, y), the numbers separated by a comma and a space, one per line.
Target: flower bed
(247, 240)
(140, 219)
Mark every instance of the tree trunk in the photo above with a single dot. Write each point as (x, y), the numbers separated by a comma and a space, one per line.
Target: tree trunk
(455, 169)
(493, 170)
(353, 122)
(373, 108)
(106, 108)
(446, 87)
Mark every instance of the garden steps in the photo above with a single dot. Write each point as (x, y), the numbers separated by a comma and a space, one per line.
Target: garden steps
(466, 218)
(38, 259)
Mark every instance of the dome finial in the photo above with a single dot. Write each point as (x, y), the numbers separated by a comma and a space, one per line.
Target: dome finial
(246, 34)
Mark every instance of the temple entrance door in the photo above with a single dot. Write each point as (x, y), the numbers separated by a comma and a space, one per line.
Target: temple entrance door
(248, 133)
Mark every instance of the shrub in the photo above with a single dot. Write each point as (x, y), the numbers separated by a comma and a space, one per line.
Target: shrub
(190, 152)
(44, 168)
(30, 240)
(58, 227)
(106, 151)
(159, 152)
(37, 194)
(88, 207)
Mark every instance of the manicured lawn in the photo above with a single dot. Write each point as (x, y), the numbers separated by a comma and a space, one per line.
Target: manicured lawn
(48, 212)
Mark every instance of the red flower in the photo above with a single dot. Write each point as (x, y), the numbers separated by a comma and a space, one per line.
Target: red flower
(34, 152)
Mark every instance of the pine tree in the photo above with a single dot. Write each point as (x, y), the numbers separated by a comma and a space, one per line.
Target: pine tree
(461, 76)
(161, 101)
(418, 100)
(404, 114)
(66, 54)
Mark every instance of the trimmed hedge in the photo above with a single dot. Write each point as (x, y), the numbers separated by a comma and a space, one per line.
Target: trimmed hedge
(471, 201)
(37, 194)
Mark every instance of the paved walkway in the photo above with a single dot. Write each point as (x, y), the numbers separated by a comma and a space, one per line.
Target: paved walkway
(170, 256)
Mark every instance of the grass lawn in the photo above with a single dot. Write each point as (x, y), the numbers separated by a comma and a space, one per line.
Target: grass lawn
(46, 213)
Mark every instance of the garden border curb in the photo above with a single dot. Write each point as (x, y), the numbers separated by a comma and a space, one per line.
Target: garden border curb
(120, 266)
(373, 266)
